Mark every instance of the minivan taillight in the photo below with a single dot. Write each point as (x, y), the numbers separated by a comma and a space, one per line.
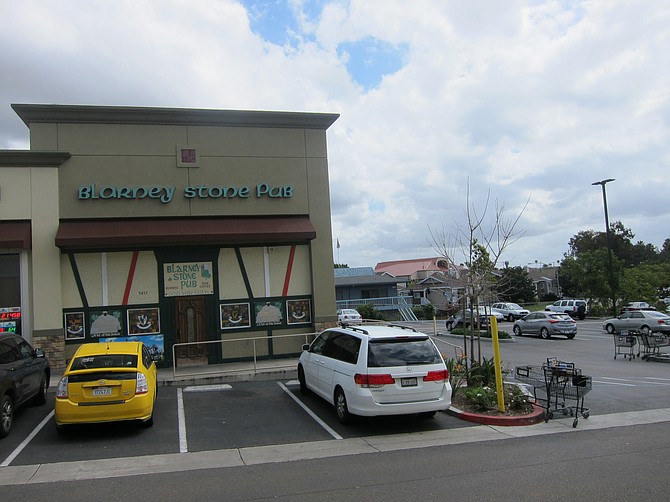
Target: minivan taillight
(437, 376)
(367, 381)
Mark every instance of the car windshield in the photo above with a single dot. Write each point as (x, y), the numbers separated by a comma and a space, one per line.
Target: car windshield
(401, 352)
(104, 361)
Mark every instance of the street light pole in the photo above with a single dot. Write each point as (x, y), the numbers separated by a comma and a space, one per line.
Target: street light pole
(609, 244)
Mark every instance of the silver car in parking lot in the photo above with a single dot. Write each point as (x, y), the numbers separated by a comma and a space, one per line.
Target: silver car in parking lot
(646, 321)
(546, 324)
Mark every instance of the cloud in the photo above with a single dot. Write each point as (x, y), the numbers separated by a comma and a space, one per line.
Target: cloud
(520, 99)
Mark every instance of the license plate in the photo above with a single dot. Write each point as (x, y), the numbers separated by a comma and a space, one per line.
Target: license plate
(408, 382)
(102, 391)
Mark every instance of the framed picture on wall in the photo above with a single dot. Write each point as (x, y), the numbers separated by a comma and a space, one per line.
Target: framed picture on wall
(268, 313)
(106, 323)
(235, 315)
(75, 328)
(143, 321)
(299, 311)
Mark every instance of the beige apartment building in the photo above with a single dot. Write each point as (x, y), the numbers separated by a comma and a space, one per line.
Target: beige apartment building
(170, 226)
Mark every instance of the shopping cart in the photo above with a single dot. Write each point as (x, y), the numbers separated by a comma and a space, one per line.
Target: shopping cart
(555, 384)
(651, 344)
(624, 344)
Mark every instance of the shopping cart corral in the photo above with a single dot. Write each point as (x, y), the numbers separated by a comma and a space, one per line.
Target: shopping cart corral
(555, 385)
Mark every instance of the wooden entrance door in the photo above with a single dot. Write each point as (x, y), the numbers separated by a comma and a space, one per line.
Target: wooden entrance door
(191, 327)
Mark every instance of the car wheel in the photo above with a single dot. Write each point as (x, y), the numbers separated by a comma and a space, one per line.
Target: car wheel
(41, 396)
(428, 414)
(517, 331)
(510, 318)
(6, 415)
(544, 333)
(303, 382)
(150, 422)
(610, 329)
(645, 330)
(570, 336)
(341, 408)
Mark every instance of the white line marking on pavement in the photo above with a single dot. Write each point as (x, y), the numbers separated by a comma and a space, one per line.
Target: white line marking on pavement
(207, 388)
(25, 442)
(310, 412)
(183, 445)
(614, 383)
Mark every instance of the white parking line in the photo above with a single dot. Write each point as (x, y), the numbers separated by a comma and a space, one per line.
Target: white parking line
(25, 442)
(207, 388)
(639, 380)
(181, 417)
(310, 412)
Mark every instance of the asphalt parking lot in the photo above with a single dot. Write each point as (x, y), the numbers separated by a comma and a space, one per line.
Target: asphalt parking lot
(200, 418)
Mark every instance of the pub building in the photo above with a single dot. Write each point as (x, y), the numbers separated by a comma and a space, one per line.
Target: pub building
(169, 226)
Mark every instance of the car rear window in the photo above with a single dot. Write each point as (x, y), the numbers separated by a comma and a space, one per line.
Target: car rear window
(401, 352)
(104, 361)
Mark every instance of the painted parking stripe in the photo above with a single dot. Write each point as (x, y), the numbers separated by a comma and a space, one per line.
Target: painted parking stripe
(25, 442)
(207, 388)
(181, 418)
(309, 412)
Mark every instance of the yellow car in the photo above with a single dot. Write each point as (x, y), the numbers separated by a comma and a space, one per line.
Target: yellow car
(107, 382)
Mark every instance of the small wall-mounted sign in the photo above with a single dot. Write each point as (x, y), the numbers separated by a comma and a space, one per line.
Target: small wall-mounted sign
(187, 156)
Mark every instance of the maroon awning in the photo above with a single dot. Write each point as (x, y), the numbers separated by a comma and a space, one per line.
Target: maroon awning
(15, 234)
(150, 233)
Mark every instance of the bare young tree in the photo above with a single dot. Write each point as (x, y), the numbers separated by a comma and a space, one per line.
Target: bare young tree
(480, 241)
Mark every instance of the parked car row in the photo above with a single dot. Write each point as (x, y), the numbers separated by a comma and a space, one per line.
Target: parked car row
(104, 382)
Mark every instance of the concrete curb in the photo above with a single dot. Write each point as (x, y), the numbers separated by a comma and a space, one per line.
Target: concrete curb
(533, 418)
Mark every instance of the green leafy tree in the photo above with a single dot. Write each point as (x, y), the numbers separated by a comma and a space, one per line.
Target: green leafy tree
(515, 285)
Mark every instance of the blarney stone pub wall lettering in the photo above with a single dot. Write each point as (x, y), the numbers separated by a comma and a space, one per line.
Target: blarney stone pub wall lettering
(165, 194)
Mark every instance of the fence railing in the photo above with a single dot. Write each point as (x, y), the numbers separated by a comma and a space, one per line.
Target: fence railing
(246, 359)
(385, 303)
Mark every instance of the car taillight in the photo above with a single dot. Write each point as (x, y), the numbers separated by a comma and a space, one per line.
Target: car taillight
(61, 392)
(367, 381)
(142, 385)
(437, 376)
(553, 321)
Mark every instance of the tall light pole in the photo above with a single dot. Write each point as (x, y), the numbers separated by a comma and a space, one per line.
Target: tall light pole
(609, 244)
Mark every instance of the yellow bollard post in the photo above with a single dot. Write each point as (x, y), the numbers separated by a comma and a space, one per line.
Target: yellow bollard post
(496, 361)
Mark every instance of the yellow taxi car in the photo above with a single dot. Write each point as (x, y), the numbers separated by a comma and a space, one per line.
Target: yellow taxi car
(107, 382)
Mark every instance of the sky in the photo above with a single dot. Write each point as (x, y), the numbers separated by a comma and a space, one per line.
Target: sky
(444, 105)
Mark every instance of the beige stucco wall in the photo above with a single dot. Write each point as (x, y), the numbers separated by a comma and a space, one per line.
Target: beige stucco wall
(134, 155)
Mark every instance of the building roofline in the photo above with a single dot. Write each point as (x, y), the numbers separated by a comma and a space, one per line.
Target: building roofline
(32, 158)
(84, 114)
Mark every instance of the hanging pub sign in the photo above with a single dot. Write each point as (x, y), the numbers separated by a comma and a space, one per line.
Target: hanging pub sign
(188, 279)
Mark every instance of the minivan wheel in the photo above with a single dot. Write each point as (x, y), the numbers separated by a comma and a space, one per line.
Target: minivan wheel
(6, 415)
(544, 333)
(303, 382)
(341, 407)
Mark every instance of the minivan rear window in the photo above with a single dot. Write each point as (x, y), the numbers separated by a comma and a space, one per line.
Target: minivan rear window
(401, 352)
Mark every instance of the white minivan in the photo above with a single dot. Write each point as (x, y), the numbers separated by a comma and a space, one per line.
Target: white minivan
(376, 370)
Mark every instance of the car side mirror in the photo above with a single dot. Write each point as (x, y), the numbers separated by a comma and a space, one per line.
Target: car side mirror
(39, 353)
(305, 346)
